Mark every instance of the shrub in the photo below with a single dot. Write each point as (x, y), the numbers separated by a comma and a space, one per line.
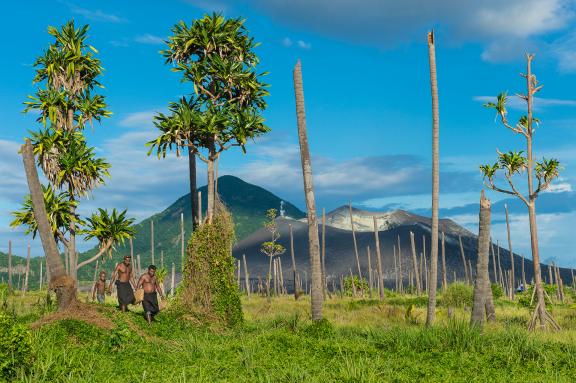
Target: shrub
(525, 298)
(457, 295)
(358, 285)
(210, 290)
(497, 291)
(15, 346)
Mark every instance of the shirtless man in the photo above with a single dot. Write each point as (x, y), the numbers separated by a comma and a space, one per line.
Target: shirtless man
(124, 278)
(99, 290)
(150, 285)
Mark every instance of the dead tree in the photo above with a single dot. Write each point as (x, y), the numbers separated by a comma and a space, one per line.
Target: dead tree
(464, 263)
(379, 260)
(415, 264)
(511, 252)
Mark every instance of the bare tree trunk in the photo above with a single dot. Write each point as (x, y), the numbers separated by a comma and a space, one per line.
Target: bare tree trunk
(400, 272)
(352, 284)
(493, 261)
(199, 208)
(482, 282)
(464, 260)
(173, 281)
(40, 279)
(444, 272)
(152, 242)
(294, 272)
(27, 270)
(94, 279)
(426, 286)
(324, 286)
(139, 265)
(10, 287)
(238, 271)
(355, 247)
(523, 274)
(193, 190)
(500, 276)
(64, 286)
(210, 186)
(415, 264)
(246, 276)
(513, 284)
(470, 271)
(369, 271)
(317, 296)
(395, 268)
(379, 259)
(182, 240)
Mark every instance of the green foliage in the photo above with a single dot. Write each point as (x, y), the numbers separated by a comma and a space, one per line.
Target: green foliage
(120, 337)
(497, 291)
(271, 248)
(15, 346)
(210, 287)
(525, 298)
(109, 228)
(358, 285)
(161, 274)
(320, 329)
(457, 295)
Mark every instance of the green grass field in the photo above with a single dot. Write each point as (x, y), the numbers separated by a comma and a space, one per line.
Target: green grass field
(361, 341)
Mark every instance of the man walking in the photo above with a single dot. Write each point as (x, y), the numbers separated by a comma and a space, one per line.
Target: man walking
(124, 278)
(151, 287)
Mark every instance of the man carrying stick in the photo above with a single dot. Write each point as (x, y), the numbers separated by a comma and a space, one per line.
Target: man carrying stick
(151, 287)
(124, 278)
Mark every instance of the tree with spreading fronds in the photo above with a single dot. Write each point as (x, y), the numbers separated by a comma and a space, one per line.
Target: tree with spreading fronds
(217, 56)
(515, 163)
(271, 248)
(66, 102)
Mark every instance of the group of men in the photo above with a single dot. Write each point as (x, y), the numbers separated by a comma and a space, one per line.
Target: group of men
(123, 278)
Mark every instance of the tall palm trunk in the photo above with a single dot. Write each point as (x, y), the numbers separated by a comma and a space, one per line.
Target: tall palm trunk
(193, 191)
(512, 278)
(211, 190)
(317, 296)
(435, 182)
(64, 286)
(482, 285)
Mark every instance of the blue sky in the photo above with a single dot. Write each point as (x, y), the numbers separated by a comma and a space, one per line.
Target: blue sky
(366, 82)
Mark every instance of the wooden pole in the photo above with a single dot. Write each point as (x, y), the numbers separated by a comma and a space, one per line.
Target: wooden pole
(415, 264)
(395, 268)
(464, 260)
(94, 278)
(27, 270)
(40, 281)
(152, 242)
(246, 276)
(378, 259)
(355, 247)
(294, 273)
(513, 276)
(139, 265)
(523, 274)
(444, 272)
(425, 274)
(10, 287)
(173, 282)
(400, 273)
(369, 271)
(182, 240)
(238, 273)
(324, 285)
(500, 274)
(200, 207)
(162, 259)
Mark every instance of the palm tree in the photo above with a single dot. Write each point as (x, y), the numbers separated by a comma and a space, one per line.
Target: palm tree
(109, 229)
(313, 241)
(217, 56)
(516, 163)
(431, 312)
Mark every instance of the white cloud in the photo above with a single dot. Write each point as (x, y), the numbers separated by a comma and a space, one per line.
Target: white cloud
(95, 15)
(287, 42)
(148, 38)
(515, 102)
(138, 119)
(304, 45)
(560, 187)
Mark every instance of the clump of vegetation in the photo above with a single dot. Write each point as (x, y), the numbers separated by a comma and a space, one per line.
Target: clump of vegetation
(497, 291)
(15, 347)
(353, 285)
(210, 289)
(457, 295)
(527, 297)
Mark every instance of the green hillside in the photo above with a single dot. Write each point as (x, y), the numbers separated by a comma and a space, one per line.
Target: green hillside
(248, 204)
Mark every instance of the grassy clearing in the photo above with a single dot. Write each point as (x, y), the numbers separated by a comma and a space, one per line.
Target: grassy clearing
(362, 341)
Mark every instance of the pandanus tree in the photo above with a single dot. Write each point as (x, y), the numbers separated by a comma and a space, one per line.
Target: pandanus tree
(217, 56)
(66, 103)
(514, 163)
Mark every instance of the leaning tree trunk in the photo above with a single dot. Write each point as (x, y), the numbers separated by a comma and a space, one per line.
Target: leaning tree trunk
(482, 285)
(193, 192)
(379, 260)
(512, 277)
(415, 264)
(435, 182)
(317, 296)
(355, 247)
(63, 285)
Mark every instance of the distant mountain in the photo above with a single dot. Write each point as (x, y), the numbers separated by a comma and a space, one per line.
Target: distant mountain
(248, 204)
(340, 258)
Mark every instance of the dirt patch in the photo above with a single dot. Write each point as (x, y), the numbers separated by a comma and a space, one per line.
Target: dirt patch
(77, 311)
